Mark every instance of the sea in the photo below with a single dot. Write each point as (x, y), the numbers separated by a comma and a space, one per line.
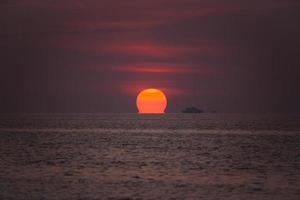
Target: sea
(133, 156)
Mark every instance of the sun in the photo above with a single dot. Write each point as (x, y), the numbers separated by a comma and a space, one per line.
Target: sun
(151, 101)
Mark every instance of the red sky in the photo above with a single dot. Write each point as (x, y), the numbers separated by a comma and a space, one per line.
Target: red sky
(95, 55)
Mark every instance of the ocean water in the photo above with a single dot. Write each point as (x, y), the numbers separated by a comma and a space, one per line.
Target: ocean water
(131, 156)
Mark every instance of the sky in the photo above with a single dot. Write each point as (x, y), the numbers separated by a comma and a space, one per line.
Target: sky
(95, 56)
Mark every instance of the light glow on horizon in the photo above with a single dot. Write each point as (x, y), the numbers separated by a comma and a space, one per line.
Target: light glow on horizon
(151, 101)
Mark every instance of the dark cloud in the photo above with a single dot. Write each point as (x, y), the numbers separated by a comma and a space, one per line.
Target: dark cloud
(94, 56)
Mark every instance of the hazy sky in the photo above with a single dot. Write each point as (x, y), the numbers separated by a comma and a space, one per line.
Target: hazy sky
(96, 55)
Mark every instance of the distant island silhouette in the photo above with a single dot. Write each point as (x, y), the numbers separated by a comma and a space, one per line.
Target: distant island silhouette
(192, 110)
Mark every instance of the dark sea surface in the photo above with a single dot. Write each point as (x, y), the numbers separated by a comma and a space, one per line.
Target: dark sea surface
(131, 156)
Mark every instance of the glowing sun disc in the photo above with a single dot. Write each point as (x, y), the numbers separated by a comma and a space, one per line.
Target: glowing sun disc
(151, 101)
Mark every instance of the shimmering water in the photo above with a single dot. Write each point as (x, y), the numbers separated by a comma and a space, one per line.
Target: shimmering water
(130, 156)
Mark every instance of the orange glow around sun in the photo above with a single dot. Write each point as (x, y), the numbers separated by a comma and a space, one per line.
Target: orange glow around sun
(151, 101)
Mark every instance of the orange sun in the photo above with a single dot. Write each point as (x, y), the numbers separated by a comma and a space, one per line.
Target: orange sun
(151, 101)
